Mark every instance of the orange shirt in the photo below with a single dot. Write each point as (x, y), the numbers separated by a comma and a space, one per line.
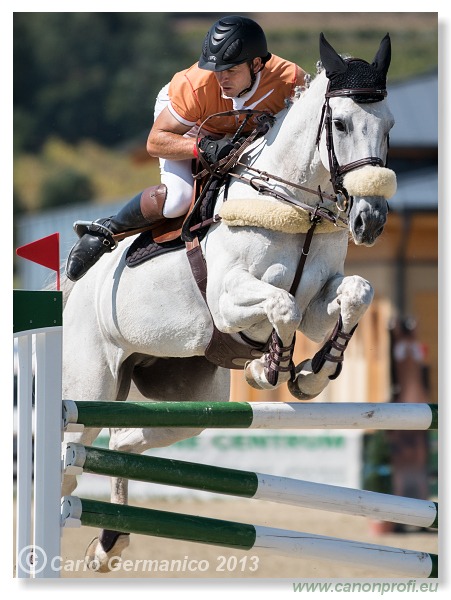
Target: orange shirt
(195, 95)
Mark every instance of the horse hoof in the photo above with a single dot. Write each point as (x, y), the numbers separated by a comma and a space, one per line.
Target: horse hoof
(104, 562)
(250, 378)
(257, 380)
(293, 384)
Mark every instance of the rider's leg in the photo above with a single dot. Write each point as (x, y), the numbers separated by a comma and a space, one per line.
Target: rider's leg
(96, 238)
(146, 208)
(151, 206)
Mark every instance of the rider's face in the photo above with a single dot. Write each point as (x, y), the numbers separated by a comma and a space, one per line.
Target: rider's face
(233, 81)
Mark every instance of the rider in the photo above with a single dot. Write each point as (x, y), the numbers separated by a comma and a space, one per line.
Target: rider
(235, 71)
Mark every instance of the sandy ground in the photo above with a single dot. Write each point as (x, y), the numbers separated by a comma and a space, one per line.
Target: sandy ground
(224, 563)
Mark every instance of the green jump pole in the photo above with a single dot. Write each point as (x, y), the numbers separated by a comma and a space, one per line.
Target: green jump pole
(230, 534)
(254, 415)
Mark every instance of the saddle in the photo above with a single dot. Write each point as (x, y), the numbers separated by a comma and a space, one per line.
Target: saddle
(167, 236)
(223, 349)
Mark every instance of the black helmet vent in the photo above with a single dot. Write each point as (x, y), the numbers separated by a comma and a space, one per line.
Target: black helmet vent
(233, 51)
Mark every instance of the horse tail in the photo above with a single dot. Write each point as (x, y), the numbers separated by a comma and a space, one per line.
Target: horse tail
(66, 285)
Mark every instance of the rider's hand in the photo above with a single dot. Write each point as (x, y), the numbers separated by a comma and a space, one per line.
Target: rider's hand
(214, 150)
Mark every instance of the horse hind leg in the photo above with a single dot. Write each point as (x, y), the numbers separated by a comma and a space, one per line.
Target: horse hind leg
(160, 380)
(104, 551)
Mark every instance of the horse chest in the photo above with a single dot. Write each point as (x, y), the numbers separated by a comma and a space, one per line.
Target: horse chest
(322, 263)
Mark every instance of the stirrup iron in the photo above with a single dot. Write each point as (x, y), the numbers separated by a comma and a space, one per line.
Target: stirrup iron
(83, 227)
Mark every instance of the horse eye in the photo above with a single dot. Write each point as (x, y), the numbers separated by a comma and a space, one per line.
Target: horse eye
(339, 125)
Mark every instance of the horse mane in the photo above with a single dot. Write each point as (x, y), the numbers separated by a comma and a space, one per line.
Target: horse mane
(311, 82)
(320, 70)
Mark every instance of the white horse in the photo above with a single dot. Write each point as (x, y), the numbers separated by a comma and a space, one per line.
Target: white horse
(151, 324)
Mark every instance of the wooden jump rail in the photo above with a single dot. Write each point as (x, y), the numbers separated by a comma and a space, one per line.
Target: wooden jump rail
(203, 530)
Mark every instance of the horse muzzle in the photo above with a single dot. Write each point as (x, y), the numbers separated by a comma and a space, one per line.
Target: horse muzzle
(371, 187)
(367, 219)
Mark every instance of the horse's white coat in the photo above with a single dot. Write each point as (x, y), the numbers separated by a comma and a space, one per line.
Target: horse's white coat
(156, 309)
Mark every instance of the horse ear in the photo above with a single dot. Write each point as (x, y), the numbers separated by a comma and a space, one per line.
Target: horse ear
(332, 62)
(382, 59)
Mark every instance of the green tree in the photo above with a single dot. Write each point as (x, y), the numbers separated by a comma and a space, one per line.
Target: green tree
(89, 75)
(66, 187)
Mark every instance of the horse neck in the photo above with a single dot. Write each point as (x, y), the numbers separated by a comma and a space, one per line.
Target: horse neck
(291, 151)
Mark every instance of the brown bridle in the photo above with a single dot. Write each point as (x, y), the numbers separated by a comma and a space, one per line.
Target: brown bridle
(336, 170)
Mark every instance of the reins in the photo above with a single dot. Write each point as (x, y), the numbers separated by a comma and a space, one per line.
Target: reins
(259, 183)
(224, 165)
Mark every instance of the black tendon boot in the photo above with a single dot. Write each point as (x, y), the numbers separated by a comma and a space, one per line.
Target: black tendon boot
(97, 238)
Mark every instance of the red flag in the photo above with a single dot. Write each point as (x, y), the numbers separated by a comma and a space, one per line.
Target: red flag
(45, 252)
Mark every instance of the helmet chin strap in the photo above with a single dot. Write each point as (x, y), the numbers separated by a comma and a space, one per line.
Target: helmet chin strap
(253, 75)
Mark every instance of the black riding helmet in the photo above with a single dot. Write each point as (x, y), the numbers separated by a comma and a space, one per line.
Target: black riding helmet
(232, 41)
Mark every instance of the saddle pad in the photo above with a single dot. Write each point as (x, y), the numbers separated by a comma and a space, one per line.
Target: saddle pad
(145, 247)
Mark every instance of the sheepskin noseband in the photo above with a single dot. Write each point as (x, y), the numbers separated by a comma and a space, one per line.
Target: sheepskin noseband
(371, 181)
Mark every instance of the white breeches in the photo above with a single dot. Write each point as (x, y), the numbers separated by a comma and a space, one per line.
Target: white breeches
(175, 174)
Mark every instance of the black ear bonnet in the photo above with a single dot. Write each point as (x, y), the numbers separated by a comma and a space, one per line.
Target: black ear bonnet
(355, 74)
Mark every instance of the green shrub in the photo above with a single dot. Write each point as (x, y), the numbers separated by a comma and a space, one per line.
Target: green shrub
(66, 187)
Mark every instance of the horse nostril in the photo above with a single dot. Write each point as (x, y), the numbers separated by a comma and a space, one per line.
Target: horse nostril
(358, 223)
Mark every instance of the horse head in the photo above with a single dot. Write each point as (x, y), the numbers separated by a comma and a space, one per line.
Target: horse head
(353, 137)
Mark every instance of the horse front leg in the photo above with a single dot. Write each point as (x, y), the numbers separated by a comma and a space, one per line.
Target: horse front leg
(257, 307)
(339, 308)
(276, 366)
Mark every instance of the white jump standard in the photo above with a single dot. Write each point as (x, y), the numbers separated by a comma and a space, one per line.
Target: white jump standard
(38, 319)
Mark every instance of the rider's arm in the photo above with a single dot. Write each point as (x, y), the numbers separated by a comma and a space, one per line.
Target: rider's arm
(166, 139)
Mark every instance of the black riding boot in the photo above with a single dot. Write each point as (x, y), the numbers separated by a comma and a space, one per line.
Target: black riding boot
(97, 238)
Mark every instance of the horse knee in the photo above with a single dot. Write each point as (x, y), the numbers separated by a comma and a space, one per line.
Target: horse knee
(357, 289)
(355, 296)
(283, 312)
